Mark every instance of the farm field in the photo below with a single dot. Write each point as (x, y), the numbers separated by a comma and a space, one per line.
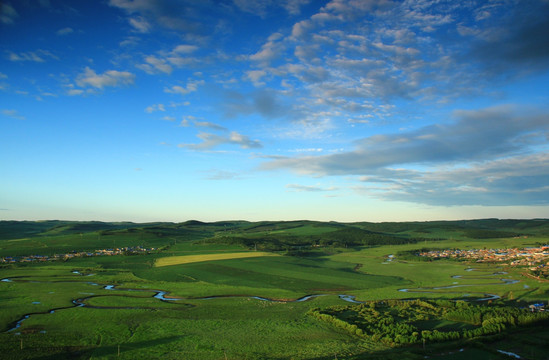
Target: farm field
(187, 259)
(238, 290)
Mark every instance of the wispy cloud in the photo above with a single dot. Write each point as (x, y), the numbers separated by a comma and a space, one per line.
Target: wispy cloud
(271, 50)
(155, 107)
(3, 84)
(262, 7)
(222, 175)
(456, 163)
(192, 86)
(309, 188)
(143, 14)
(140, 24)
(110, 78)
(12, 114)
(331, 64)
(154, 65)
(165, 61)
(255, 76)
(512, 130)
(7, 13)
(184, 49)
(519, 180)
(34, 56)
(210, 125)
(210, 141)
(71, 90)
(64, 31)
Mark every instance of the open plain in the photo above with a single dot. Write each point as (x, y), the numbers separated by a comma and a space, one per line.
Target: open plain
(239, 290)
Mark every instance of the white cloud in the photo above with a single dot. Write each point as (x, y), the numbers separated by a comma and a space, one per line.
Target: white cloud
(294, 6)
(341, 66)
(110, 78)
(301, 29)
(399, 50)
(256, 7)
(361, 119)
(163, 60)
(267, 53)
(7, 13)
(64, 31)
(13, 114)
(243, 140)
(72, 90)
(140, 24)
(512, 130)
(35, 56)
(179, 16)
(518, 180)
(309, 188)
(180, 61)
(3, 85)
(301, 150)
(262, 7)
(488, 156)
(271, 50)
(185, 49)
(130, 41)
(210, 141)
(210, 125)
(222, 175)
(155, 107)
(191, 87)
(255, 76)
(155, 65)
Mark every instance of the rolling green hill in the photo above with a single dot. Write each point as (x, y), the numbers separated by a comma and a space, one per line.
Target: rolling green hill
(247, 290)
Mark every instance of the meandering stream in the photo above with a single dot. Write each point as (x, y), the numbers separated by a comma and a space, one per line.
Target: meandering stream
(163, 295)
(486, 296)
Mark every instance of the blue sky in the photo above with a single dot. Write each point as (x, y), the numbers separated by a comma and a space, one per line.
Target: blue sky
(343, 110)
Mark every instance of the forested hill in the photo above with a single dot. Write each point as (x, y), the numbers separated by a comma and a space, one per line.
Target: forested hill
(280, 234)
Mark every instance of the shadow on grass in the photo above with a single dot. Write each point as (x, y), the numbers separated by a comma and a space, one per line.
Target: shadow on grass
(111, 351)
(527, 294)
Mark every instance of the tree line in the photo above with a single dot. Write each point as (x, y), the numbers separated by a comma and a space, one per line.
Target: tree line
(405, 322)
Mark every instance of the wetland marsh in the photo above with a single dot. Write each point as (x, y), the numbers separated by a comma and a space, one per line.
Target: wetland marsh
(211, 304)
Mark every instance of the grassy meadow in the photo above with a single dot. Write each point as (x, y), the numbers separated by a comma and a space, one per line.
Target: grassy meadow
(233, 290)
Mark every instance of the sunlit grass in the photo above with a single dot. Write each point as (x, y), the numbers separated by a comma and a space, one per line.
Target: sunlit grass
(188, 259)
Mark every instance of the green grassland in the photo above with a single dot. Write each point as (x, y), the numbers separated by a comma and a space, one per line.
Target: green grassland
(221, 311)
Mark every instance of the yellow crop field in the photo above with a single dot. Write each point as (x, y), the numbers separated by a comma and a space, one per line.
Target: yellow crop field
(187, 259)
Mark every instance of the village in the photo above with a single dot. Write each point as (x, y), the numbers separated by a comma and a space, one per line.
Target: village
(134, 250)
(536, 259)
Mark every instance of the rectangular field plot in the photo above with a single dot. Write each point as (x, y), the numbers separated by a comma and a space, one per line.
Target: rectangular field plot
(187, 259)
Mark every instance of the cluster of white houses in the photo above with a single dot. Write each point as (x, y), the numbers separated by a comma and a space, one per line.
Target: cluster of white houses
(133, 250)
(535, 258)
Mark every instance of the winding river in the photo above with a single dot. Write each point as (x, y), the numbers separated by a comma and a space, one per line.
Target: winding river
(162, 295)
(485, 296)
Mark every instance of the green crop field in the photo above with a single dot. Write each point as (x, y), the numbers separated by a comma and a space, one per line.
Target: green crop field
(239, 290)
